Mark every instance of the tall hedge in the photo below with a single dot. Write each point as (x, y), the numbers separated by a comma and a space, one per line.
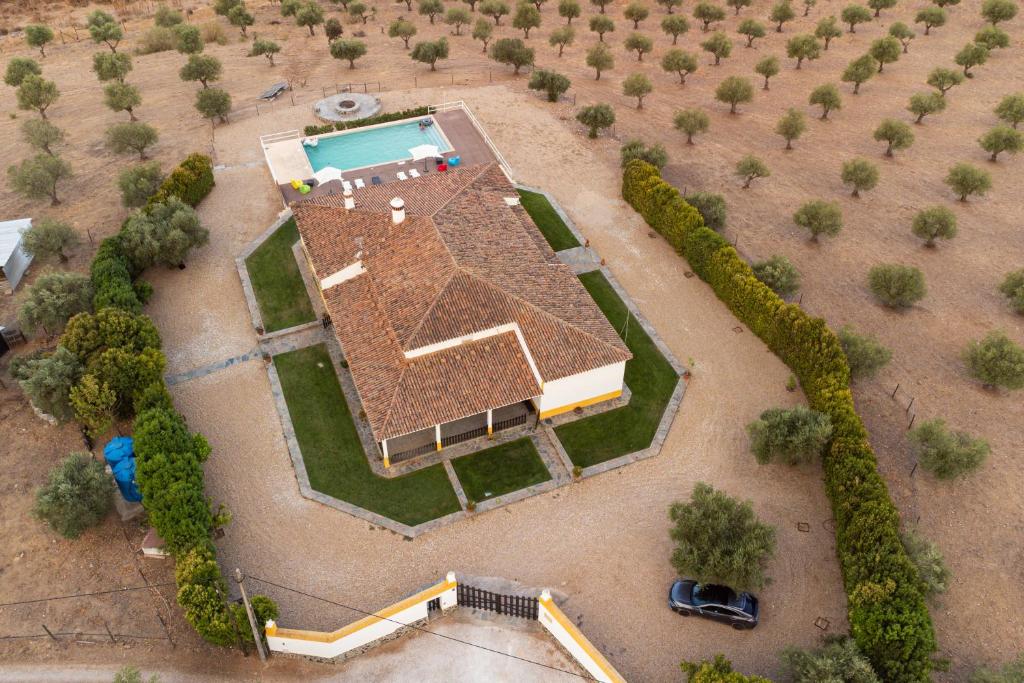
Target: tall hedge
(190, 181)
(885, 600)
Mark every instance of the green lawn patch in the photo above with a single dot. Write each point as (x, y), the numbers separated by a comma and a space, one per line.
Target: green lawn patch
(277, 282)
(334, 457)
(551, 225)
(499, 470)
(649, 376)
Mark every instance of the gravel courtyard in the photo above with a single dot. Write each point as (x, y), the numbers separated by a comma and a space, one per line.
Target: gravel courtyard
(603, 542)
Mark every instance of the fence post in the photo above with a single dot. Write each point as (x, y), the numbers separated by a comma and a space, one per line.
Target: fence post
(49, 633)
(107, 627)
(167, 631)
(894, 391)
(252, 616)
(910, 404)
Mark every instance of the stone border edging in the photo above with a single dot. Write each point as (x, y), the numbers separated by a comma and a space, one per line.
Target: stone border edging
(243, 272)
(559, 210)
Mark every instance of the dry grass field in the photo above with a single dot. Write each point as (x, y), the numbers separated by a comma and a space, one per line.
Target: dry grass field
(976, 521)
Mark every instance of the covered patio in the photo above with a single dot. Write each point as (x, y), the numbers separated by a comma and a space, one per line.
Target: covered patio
(431, 439)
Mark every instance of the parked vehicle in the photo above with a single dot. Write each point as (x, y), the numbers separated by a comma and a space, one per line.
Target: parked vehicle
(720, 603)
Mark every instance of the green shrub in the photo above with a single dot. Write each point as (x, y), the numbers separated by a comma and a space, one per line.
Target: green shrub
(89, 335)
(47, 380)
(864, 353)
(839, 660)
(794, 436)
(1013, 289)
(779, 274)
(718, 670)
(996, 361)
(711, 207)
(896, 286)
(190, 181)
(53, 299)
(78, 494)
(157, 39)
(945, 453)
(1013, 672)
(931, 566)
(655, 154)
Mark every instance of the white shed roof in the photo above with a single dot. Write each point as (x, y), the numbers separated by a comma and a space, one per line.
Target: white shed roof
(10, 236)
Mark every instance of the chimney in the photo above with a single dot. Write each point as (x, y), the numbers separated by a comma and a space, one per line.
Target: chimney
(350, 202)
(397, 210)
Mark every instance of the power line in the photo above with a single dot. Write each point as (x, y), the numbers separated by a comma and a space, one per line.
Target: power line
(423, 630)
(88, 595)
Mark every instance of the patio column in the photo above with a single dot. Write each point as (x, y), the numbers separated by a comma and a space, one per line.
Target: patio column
(437, 436)
(384, 449)
(490, 422)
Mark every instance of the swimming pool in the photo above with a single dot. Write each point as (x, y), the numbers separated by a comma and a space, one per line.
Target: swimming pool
(373, 146)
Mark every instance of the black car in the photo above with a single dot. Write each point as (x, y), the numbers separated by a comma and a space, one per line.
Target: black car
(720, 603)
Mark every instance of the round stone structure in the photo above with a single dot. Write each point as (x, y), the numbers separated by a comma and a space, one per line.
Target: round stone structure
(346, 106)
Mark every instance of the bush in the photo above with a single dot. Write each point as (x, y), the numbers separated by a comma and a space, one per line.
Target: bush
(965, 179)
(78, 494)
(996, 361)
(839, 660)
(47, 380)
(94, 403)
(819, 218)
(864, 353)
(53, 299)
(717, 671)
(931, 566)
(48, 237)
(896, 286)
(655, 155)
(190, 181)
(552, 83)
(711, 208)
(89, 335)
(157, 39)
(213, 33)
(201, 595)
(19, 68)
(719, 540)
(1013, 289)
(779, 274)
(167, 17)
(793, 436)
(188, 39)
(945, 453)
(162, 234)
(139, 183)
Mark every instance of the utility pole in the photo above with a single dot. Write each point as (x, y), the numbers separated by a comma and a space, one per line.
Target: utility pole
(252, 616)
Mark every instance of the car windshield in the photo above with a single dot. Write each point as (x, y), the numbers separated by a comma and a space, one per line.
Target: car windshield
(707, 594)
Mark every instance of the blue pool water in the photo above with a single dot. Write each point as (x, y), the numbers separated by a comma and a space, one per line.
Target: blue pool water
(373, 146)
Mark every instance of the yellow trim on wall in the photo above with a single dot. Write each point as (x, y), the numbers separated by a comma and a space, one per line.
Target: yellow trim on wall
(582, 641)
(386, 613)
(580, 404)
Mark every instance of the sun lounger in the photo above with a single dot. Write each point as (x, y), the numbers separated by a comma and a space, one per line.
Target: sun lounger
(414, 173)
(401, 175)
(360, 184)
(346, 184)
(376, 180)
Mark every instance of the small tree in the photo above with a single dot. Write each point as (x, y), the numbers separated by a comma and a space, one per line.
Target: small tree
(241, 18)
(737, 5)
(679, 62)
(711, 208)
(512, 51)
(675, 25)
(970, 56)
(716, 671)
(166, 17)
(600, 58)
(309, 15)
(122, 97)
(879, 5)
(965, 179)
(526, 17)
(839, 660)
(214, 103)
(864, 353)
(996, 11)
(779, 274)
(931, 17)
(640, 44)
(562, 36)
(719, 540)
(49, 237)
(827, 30)
(1013, 289)
(855, 14)
(670, 5)
(1001, 139)
(430, 8)
(992, 37)
(131, 137)
(596, 117)
(404, 29)
(931, 567)
(767, 67)
(996, 361)
(636, 12)
(38, 35)
(896, 133)
(349, 50)
(357, 11)
(53, 299)
(793, 436)
(552, 83)
(569, 10)
(94, 403)
(902, 33)
(47, 380)
(752, 29)
(896, 286)
(428, 52)
(819, 217)
(781, 12)
(719, 45)
(482, 31)
(654, 154)
(78, 494)
(140, 182)
(111, 66)
(945, 3)
(103, 28)
(639, 86)
(36, 93)
(601, 25)
(495, 9)
(943, 79)
(188, 39)
(827, 97)
(38, 177)
(162, 235)
(266, 48)
(791, 126)
(858, 71)
(41, 135)
(19, 68)
(333, 29)
(860, 174)
(202, 68)
(457, 17)
(601, 4)
(803, 47)
(707, 13)
(734, 90)
(885, 51)
(749, 168)
(691, 122)
(223, 7)
(945, 453)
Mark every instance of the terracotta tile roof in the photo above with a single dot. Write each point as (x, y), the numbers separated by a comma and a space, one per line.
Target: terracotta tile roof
(463, 261)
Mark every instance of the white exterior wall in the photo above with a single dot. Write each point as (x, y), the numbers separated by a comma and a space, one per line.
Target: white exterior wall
(575, 643)
(586, 385)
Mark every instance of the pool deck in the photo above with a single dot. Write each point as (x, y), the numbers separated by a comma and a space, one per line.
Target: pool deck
(466, 142)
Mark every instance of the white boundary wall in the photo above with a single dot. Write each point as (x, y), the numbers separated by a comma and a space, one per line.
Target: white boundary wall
(575, 643)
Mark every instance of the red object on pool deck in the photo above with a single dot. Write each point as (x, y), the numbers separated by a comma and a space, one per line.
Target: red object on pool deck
(442, 167)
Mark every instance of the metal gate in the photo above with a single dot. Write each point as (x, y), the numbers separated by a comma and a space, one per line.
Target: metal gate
(510, 605)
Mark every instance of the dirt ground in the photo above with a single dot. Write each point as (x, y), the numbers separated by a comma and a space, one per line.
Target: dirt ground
(616, 521)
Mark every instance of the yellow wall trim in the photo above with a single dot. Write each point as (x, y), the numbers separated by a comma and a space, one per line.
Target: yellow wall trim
(580, 404)
(581, 640)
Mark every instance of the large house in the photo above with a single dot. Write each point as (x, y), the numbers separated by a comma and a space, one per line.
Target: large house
(455, 316)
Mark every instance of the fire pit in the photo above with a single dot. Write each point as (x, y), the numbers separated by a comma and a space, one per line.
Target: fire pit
(346, 107)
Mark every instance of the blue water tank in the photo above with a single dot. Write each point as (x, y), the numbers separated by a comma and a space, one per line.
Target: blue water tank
(120, 455)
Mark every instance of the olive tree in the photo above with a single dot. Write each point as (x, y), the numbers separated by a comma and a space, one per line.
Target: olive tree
(679, 62)
(38, 35)
(138, 183)
(404, 29)
(719, 540)
(596, 117)
(737, 5)
(600, 59)
(931, 566)
(163, 234)
(858, 71)
(719, 45)
(242, 19)
(266, 48)
(855, 14)
(1001, 139)
(691, 122)
(49, 237)
(750, 168)
(457, 17)
(803, 47)
(860, 174)
(639, 86)
(601, 25)
(47, 378)
(35, 93)
(711, 208)
(78, 494)
(214, 103)
(879, 5)
(41, 135)
(931, 17)
(53, 299)
(309, 15)
(779, 274)
(896, 286)
(943, 79)
(131, 137)
(640, 44)
(1012, 288)
(734, 90)
(334, 30)
(819, 217)
(495, 9)
(945, 453)
(526, 17)
(348, 50)
(482, 31)
(356, 10)
(996, 361)
(827, 30)
(885, 51)
(122, 97)
(675, 25)
(429, 51)
(19, 68)
(838, 660)
(791, 126)
(707, 13)
(600, 3)
(936, 222)
(864, 353)
(781, 12)
(431, 8)
(827, 97)
(513, 52)
(552, 83)
(636, 12)
(767, 67)
(752, 29)
(993, 38)
(654, 154)
(970, 56)
(965, 180)
(670, 5)
(793, 436)
(38, 177)
(202, 68)
(562, 36)
(104, 28)
(902, 33)
(111, 66)
(569, 10)
(996, 11)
